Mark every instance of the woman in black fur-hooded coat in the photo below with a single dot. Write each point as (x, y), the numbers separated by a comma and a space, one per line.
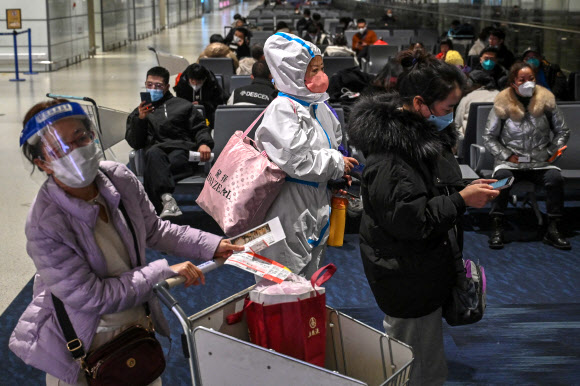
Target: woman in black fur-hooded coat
(413, 194)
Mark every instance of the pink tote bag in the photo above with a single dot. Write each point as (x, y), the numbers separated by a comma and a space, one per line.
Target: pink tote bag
(241, 186)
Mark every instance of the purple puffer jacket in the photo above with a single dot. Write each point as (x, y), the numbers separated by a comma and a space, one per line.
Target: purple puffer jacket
(70, 265)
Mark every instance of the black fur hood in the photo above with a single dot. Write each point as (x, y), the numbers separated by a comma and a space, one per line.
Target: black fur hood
(378, 124)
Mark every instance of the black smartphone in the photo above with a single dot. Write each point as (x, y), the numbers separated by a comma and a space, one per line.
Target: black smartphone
(503, 184)
(146, 97)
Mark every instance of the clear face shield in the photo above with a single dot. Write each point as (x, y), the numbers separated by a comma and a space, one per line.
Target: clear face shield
(65, 140)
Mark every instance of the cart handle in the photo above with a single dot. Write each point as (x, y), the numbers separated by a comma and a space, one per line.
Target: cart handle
(162, 288)
(58, 96)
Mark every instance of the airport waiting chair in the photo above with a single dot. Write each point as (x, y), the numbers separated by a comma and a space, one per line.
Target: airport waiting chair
(480, 159)
(220, 66)
(403, 33)
(472, 61)
(348, 36)
(333, 64)
(462, 49)
(260, 35)
(570, 160)
(427, 37)
(175, 64)
(471, 129)
(329, 23)
(220, 79)
(237, 81)
(397, 41)
(577, 86)
(229, 119)
(383, 33)
(113, 127)
(378, 57)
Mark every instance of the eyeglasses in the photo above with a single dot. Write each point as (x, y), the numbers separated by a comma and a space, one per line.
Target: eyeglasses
(56, 147)
(156, 86)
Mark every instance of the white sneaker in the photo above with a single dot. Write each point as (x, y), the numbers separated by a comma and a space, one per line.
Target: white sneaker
(170, 208)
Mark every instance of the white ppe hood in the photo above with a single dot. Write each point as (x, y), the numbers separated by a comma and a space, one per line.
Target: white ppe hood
(288, 56)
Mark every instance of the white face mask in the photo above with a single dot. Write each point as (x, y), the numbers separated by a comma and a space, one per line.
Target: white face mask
(195, 87)
(79, 168)
(362, 30)
(527, 89)
(236, 39)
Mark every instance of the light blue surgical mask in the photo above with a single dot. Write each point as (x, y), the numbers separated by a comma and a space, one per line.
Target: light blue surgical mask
(155, 94)
(534, 62)
(488, 64)
(441, 122)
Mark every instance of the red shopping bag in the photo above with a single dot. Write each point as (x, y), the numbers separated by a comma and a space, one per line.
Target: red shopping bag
(296, 329)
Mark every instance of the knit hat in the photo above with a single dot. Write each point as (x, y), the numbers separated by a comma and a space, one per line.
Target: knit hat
(454, 58)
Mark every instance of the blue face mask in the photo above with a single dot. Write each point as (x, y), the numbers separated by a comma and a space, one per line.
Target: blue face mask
(488, 64)
(441, 122)
(155, 94)
(533, 62)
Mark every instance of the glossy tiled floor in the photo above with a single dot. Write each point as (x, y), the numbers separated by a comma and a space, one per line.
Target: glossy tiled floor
(114, 80)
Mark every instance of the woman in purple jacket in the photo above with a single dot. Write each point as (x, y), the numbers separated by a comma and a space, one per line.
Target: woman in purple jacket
(83, 249)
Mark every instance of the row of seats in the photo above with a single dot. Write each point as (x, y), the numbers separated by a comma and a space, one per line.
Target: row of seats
(228, 120)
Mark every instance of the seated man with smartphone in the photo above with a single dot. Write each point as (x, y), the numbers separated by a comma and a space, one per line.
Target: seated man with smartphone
(173, 134)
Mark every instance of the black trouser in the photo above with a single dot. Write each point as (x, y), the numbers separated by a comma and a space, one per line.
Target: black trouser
(162, 165)
(550, 179)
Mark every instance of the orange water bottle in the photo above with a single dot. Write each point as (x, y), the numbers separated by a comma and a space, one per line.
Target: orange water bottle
(337, 221)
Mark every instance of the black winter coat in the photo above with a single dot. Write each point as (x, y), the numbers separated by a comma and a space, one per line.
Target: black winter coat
(259, 92)
(175, 122)
(410, 194)
(210, 96)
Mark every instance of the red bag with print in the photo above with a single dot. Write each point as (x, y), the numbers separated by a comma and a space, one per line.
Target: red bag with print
(296, 329)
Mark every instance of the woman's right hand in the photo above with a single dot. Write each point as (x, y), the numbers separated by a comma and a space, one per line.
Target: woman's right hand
(192, 274)
(349, 163)
(513, 159)
(478, 195)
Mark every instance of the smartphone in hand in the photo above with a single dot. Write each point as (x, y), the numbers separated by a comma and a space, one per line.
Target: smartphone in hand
(146, 97)
(502, 184)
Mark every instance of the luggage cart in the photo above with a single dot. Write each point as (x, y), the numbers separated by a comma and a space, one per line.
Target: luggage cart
(221, 354)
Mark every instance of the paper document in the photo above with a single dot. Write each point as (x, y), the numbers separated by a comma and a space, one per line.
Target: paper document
(261, 237)
(259, 265)
(254, 240)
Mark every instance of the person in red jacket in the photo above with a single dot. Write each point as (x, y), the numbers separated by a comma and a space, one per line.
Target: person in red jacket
(363, 38)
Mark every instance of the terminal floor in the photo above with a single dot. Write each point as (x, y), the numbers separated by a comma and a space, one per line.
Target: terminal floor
(530, 333)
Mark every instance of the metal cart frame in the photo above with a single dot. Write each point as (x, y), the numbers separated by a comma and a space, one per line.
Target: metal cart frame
(221, 354)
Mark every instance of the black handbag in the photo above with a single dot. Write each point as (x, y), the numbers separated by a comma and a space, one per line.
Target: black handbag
(134, 357)
(467, 301)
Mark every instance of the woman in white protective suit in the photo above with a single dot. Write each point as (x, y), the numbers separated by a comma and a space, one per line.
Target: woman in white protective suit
(301, 134)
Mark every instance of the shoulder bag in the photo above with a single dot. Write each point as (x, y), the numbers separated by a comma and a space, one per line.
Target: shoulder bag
(467, 301)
